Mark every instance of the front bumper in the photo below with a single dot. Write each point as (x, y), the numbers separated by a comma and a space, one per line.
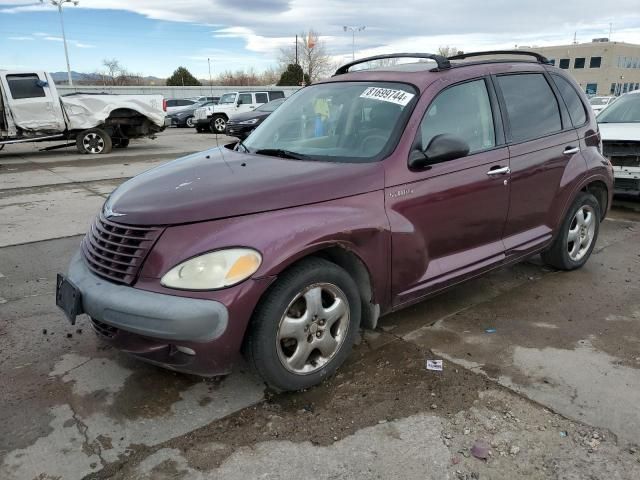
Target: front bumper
(203, 122)
(145, 313)
(627, 180)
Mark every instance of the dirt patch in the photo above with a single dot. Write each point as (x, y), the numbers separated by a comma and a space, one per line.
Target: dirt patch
(376, 386)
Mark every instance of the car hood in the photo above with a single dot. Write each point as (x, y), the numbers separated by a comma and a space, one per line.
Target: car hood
(221, 183)
(241, 117)
(620, 131)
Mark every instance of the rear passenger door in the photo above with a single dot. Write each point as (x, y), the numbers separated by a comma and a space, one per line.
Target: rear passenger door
(542, 142)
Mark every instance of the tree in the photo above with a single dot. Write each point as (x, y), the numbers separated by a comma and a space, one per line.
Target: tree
(447, 51)
(316, 63)
(293, 76)
(182, 77)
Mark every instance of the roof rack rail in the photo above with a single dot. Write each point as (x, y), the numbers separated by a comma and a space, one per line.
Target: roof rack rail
(537, 56)
(441, 61)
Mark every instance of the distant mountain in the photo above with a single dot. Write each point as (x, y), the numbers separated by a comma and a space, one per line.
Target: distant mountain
(61, 78)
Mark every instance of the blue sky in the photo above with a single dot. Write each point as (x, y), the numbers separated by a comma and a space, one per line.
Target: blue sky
(153, 37)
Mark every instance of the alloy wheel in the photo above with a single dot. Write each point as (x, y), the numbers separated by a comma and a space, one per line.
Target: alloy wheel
(219, 125)
(581, 232)
(313, 328)
(93, 143)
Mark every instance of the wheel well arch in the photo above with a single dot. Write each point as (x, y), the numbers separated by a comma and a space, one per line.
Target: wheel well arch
(124, 113)
(599, 190)
(357, 269)
(220, 114)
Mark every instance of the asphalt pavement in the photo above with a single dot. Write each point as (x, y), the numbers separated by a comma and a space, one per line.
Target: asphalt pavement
(543, 365)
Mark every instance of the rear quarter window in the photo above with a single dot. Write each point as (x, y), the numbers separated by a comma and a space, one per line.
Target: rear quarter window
(532, 107)
(25, 86)
(276, 95)
(572, 100)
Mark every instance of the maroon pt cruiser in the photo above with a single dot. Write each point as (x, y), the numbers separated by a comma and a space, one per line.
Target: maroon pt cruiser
(359, 196)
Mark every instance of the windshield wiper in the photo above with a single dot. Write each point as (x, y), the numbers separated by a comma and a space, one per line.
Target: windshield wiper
(278, 152)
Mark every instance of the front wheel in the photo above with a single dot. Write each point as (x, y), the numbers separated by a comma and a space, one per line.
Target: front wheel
(218, 124)
(304, 328)
(578, 233)
(93, 141)
(190, 122)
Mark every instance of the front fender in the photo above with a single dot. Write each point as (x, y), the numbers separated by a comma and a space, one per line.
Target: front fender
(357, 224)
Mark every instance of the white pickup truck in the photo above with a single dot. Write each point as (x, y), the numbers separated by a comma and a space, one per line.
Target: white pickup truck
(32, 111)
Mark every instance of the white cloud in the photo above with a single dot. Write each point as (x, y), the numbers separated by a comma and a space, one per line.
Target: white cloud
(266, 25)
(74, 43)
(20, 39)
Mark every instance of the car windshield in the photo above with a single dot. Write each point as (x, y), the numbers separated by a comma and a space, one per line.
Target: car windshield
(625, 109)
(598, 101)
(271, 106)
(338, 122)
(227, 98)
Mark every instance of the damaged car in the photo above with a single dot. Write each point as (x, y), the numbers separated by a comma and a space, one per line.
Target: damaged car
(32, 111)
(620, 129)
(359, 196)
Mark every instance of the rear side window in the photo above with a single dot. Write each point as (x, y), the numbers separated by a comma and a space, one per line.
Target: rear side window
(572, 100)
(276, 95)
(245, 99)
(261, 98)
(532, 107)
(25, 86)
(463, 110)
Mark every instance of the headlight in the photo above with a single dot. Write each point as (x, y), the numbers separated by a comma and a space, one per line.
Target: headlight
(253, 121)
(213, 270)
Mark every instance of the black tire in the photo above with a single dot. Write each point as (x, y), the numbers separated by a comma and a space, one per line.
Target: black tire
(94, 141)
(558, 254)
(263, 350)
(190, 122)
(121, 143)
(218, 124)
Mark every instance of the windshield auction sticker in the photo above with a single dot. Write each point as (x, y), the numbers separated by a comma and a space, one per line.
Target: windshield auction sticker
(399, 97)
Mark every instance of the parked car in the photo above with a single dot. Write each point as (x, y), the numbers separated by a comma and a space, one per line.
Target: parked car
(206, 99)
(176, 104)
(240, 125)
(620, 129)
(183, 117)
(359, 196)
(214, 117)
(599, 103)
(32, 111)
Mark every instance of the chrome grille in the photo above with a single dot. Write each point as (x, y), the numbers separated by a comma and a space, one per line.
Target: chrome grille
(115, 251)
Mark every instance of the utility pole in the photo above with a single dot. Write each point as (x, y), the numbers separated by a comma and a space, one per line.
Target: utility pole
(59, 3)
(210, 80)
(353, 31)
(296, 49)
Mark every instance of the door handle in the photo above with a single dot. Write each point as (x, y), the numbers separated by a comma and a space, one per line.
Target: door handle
(499, 171)
(570, 150)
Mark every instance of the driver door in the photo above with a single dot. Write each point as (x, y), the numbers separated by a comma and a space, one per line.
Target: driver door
(33, 104)
(245, 103)
(447, 220)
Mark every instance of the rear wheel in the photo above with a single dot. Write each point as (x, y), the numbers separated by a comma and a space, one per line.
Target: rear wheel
(93, 141)
(218, 124)
(577, 236)
(305, 326)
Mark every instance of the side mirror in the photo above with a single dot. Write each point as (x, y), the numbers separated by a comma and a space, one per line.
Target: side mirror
(42, 83)
(441, 148)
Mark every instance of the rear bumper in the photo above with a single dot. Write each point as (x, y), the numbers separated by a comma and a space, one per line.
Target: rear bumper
(148, 314)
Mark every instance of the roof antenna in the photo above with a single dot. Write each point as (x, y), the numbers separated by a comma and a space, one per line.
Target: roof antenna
(610, 30)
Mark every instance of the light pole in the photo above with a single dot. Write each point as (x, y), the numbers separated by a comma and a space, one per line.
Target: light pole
(210, 80)
(353, 31)
(59, 3)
